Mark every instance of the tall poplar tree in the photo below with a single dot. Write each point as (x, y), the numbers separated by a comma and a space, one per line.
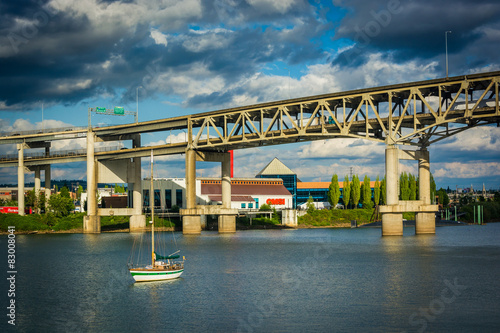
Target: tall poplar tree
(404, 187)
(413, 187)
(376, 192)
(383, 192)
(367, 193)
(355, 191)
(334, 191)
(346, 192)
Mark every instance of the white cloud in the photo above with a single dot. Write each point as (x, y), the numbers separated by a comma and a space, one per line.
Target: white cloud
(158, 37)
(467, 170)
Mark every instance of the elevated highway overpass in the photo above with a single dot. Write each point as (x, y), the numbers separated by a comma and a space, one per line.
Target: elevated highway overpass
(414, 114)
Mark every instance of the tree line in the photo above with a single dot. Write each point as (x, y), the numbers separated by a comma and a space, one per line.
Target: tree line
(356, 192)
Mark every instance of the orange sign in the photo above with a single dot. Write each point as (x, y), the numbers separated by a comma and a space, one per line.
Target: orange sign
(275, 201)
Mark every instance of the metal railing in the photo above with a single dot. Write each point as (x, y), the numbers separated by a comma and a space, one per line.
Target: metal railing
(59, 153)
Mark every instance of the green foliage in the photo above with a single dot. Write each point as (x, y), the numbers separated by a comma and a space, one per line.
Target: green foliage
(119, 188)
(64, 192)
(335, 217)
(491, 211)
(433, 189)
(496, 197)
(367, 193)
(79, 192)
(443, 197)
(175, 209)
(376, 192)
(413, 187)
(8, 203)
(334, 191)
(346, 192)
(22, 223)
(355, 191)
(383, 192)
(265, 207)
(310, 205)
(60, 205)
(404, 187)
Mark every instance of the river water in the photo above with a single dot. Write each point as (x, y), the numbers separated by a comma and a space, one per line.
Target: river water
(306, 280)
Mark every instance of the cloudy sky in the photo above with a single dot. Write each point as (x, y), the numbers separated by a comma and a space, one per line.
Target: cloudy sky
(183, 57)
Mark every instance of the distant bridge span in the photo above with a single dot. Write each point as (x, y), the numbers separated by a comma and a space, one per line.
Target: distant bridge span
(410, 114)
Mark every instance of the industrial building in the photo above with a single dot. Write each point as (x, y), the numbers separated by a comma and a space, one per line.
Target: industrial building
(276, 185)
(246, 193)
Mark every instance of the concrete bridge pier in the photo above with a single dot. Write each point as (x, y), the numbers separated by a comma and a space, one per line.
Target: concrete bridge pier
(20, 179)
(227, 223)
(48, 184)
(91, 222)
(425, 222)
(191, 220)
(137, 220)
(392, 220)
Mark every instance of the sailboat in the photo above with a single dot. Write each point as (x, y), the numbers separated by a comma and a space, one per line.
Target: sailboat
(161, 267)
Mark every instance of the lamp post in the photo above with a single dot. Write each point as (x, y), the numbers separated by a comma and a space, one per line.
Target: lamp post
(137, 104)
(446, 45)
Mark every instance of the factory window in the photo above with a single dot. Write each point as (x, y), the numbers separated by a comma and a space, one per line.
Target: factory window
(178, 198)
(168, 198)
(243, 205)
(250, 205)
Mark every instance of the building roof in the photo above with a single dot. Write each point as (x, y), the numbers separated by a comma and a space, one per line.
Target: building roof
(276, 167)
(235, 198)
(245, 190)
(322, 185)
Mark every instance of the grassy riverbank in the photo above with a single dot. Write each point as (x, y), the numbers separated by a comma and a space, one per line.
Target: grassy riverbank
(71, 223)
(339, 217)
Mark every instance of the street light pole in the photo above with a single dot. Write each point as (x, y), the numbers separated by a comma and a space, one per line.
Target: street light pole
(137, 104)
(446, 45)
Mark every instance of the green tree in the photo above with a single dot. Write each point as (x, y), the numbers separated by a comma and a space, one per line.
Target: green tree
(60, 205)
(265, 207)
(433, 189)
(413, 187)
(355, 191)
(65, 192)
(443, 197)
(79, 192)
(383, 192)
(404, 187)
(310, 205)
(367, 193)
(30, 199)
(376, 192)
(346, 192)
(334, 191)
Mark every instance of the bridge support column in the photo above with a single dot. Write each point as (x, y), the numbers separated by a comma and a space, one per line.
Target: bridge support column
(392, 222)
(47, 185)
(20, 179)
(37, 186)
(191, 224)
(137, 220)
(425, 223)
(91, 222)
(227, 223)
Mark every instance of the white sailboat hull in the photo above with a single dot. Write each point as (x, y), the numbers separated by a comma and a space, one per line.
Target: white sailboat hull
(142, 275)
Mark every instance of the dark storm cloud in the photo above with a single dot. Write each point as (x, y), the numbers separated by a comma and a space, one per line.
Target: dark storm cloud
(416, 29)
(65, 56)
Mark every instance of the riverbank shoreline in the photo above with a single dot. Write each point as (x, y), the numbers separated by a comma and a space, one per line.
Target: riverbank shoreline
(442, 223)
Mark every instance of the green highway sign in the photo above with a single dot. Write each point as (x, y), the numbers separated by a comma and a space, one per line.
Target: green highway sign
(119, 110)
(98, 109)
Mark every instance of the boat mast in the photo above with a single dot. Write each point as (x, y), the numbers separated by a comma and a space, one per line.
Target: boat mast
(152, 206)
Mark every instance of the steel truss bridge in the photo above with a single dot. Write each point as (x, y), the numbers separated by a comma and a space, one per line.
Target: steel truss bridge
(416, 113)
